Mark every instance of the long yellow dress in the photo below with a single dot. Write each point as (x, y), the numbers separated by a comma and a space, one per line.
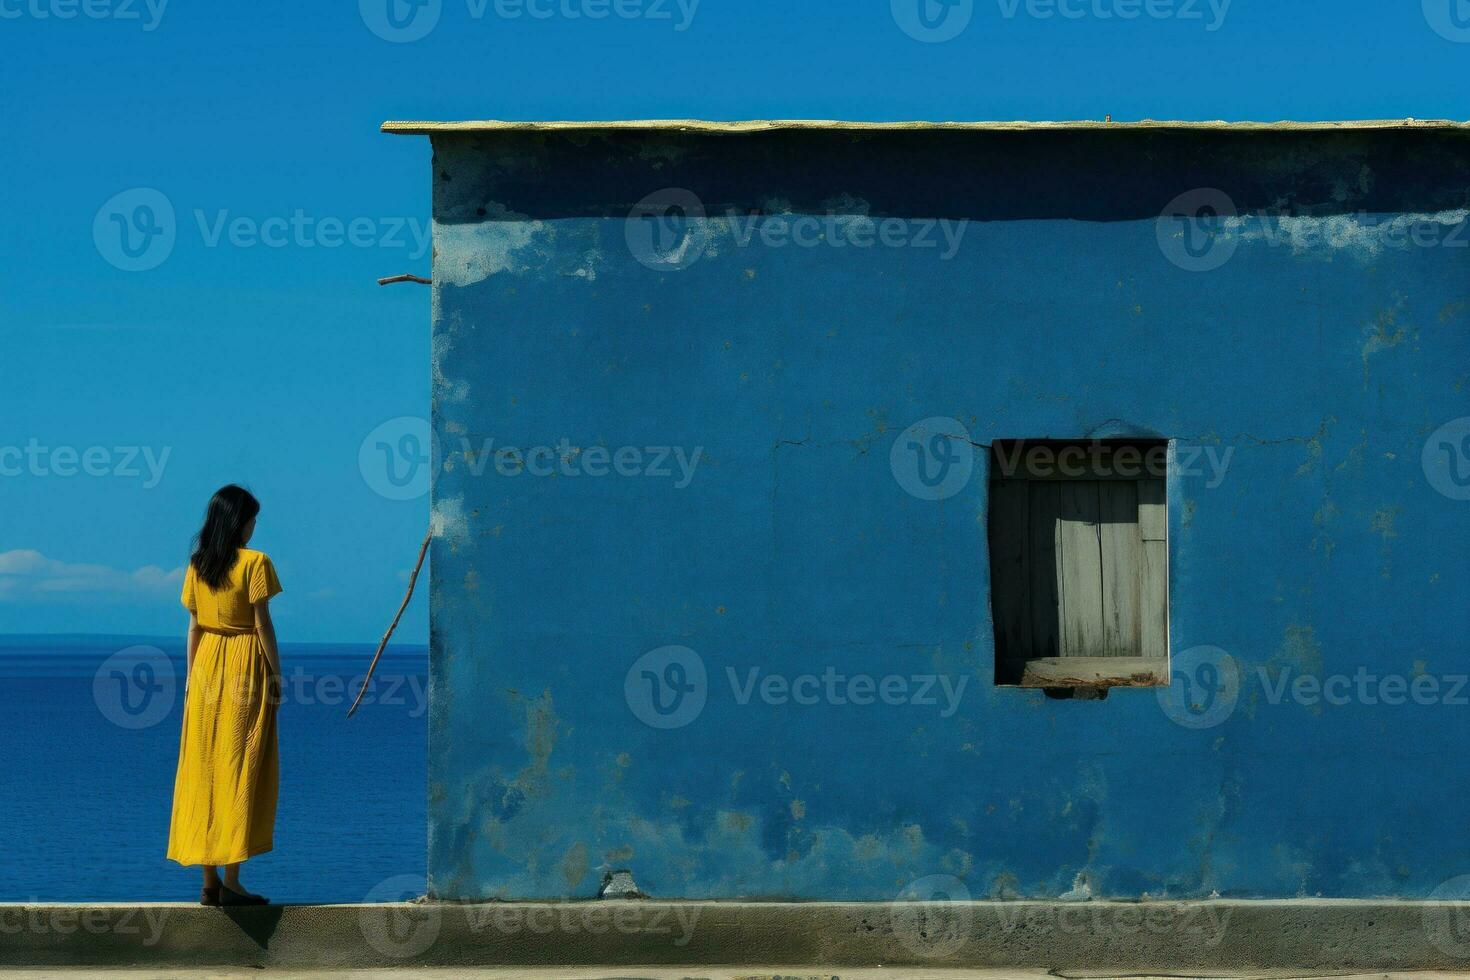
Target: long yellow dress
(225, 790)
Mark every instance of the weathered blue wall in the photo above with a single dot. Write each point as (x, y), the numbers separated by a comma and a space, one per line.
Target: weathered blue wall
(1324, 353)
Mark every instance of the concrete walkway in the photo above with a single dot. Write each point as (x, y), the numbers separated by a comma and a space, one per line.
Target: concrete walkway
(654, 939)
(702, 973)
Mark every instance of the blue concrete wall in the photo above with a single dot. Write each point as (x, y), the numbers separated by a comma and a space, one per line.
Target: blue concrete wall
(1321, 356)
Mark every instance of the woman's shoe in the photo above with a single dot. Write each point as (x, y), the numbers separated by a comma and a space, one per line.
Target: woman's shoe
(209, 896)
(228, 896)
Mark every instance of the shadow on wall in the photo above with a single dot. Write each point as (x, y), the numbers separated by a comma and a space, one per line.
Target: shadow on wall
(982, 175)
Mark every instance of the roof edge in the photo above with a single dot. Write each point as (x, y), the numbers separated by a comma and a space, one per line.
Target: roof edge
(430, 127)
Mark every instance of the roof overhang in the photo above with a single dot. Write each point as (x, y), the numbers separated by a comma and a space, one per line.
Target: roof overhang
(417, 127)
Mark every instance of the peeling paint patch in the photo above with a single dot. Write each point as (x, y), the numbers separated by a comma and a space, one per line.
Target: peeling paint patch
(1382, 522)
(1347, 234)
(1314, 448)
(1453, 311)
(588, 268)
(447, 520)
(1300, 650)
(469, 252)
(445, 390)
(1080, 891)
(1324, 517)
(574, 865)
(1384, 331)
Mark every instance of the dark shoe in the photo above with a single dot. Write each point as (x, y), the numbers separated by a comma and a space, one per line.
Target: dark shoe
(228, 896)
(209, 896)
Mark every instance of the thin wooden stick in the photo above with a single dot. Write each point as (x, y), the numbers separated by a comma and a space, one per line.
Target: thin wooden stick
(423, 550)
(406, 277)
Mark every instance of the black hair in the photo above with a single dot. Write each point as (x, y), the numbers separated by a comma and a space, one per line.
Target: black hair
(217, 543)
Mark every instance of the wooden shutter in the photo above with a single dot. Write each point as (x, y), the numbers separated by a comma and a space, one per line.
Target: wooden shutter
(1079, 573)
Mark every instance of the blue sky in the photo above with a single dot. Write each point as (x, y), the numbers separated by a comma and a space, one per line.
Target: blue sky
(261, 350)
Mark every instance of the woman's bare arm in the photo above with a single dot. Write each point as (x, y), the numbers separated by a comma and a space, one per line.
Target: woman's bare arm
(190, 645)
(266, 630)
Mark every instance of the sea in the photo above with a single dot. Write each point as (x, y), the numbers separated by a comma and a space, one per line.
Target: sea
(89, 740)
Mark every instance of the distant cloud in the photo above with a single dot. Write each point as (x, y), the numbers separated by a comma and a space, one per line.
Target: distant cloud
(30, 576)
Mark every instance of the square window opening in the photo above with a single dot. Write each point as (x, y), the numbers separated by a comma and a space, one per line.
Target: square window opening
(1079, 563)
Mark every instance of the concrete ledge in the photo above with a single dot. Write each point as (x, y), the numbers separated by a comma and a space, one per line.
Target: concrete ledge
(1302, 936)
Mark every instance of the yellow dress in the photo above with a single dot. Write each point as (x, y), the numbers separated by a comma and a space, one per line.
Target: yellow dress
(225, 790)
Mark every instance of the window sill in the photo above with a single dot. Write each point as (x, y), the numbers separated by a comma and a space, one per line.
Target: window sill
(1094, 672)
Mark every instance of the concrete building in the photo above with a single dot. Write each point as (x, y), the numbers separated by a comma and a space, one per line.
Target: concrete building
(852, 512)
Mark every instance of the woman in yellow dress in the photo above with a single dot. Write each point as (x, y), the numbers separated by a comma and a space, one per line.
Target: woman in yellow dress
(225, 790)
